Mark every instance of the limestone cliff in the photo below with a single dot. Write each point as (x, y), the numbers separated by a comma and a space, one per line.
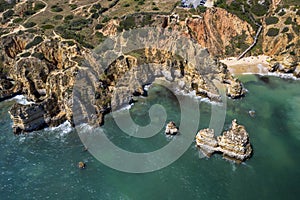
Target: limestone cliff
(221, 32)
(44, 69)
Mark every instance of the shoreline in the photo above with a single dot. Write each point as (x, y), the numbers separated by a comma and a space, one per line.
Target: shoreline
(253, 65)
(248, 65)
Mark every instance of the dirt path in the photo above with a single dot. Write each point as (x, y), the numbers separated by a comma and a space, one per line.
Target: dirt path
(39, 12)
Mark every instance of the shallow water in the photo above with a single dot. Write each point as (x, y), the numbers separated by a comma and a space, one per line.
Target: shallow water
(43, 165)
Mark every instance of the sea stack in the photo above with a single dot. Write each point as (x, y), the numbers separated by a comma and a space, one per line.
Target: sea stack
(171, 128)
(234, 143)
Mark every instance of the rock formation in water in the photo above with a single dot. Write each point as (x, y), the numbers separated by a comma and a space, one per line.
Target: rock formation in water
(234, 143)
(171, 128)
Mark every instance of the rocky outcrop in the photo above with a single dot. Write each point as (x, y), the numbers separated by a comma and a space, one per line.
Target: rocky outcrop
(171, 128)
(234, 143)
(219, 30)
(47, 74)
(44, 73)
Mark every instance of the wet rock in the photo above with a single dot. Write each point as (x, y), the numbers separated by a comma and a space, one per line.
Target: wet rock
(81, 165)
(252, 113)
(171, 128)
(234, 143)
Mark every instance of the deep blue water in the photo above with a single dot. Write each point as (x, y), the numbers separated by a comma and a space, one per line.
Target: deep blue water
(43, 165)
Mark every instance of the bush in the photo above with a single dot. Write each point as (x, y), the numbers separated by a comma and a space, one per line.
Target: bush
(69, 17)
(29, 24)
(282, 13)
(155, 8)
(127, 24)
(97, 6)
(47, 26)
(73, 6)
(39, 6)
(17, 20)
(38, 55)
(285, 29)
(296, 29)
(126, 5)
(4, 5)
(37, 40)
(58, 17)
(95, 16)
(26, 54)
(29, 12)
(105, 19)
(272, 20)
(56, 8)
(259, 10)
(273, 32)
(288, 21)
(99, 26)
(8, 14)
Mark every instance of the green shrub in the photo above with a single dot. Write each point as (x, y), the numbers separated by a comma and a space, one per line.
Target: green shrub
(56, 8)
(4, 5)
(47, 26)
(39, 6)
(155, 8)
(99, 26)
(26, 54)
(105, 19)
(127, 23)
(69, 17)
(96, 6)
(95, 16)
(29, 24)
(38, 55)
(290, 37)
(58, 17)
(17, 20)
(282, 13)
(288, 21)
(37, 40)
(73, 6)
(259, 10)
(272, 20)
(285, 29)
(273, 32)
(126, 5)
(29, 12)
(8, 14)
(296, 28)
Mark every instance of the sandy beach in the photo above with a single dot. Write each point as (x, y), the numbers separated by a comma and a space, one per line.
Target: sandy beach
(247, 65)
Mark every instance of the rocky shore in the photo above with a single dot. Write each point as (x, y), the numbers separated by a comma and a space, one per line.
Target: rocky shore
(46, 73)
(234, 144)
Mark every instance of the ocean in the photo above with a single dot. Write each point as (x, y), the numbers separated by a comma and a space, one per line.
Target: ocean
(43, 164)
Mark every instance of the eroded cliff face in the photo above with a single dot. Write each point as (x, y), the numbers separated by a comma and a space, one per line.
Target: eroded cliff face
(221, 32)
(45, 72)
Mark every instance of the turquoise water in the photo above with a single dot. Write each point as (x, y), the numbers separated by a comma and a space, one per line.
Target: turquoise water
(43, 165)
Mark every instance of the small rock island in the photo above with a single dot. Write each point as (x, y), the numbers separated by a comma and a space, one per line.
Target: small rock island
(171, 128)
(234, 143)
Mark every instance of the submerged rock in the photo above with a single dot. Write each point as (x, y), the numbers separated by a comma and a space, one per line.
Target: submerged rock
(234, 143)
(171, 128)
(81, 165)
